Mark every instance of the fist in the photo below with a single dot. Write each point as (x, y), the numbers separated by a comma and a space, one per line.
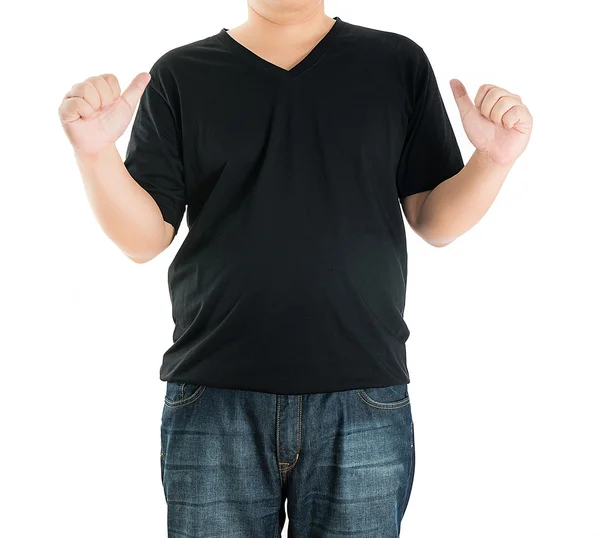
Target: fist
(94, 113)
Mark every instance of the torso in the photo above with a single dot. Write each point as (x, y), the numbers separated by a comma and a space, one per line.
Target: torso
(292, 276)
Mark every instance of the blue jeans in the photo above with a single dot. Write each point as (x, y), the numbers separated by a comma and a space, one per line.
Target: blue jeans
(345, 462)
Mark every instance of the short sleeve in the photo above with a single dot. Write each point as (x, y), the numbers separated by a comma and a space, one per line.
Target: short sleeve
(431, 153)
(154, 155)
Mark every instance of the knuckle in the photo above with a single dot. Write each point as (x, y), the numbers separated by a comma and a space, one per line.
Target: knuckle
(110, 77)
(87, 85)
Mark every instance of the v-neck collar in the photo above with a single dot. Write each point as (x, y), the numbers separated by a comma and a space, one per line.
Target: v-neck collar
(310, 59)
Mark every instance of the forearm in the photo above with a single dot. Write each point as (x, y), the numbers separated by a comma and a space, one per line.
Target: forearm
(458, 203)
(128, 215)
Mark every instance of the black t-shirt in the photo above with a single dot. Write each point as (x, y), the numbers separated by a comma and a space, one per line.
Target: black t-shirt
(292, 276)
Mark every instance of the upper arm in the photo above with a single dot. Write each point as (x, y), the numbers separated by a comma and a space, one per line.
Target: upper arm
(154, 155)
(411, 206)
(169, 234)
(167, 237)
(430, 152)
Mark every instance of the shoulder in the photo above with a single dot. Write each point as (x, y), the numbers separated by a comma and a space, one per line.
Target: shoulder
(173, 67)
(400, 46)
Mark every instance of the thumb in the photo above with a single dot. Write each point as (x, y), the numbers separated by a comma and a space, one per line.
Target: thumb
(461, 97)
(134, 91)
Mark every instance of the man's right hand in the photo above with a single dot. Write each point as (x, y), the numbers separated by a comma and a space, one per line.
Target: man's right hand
(94, 113)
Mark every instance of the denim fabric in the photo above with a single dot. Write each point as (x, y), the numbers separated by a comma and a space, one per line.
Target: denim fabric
(345, 462)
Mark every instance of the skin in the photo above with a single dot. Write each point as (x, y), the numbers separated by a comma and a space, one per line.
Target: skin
(499, 125)
(283, 32)
(94, 113)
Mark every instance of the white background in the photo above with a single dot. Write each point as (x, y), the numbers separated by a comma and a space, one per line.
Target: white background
(503, 352)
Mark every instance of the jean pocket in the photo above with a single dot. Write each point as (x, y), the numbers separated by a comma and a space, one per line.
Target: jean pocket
(179, 394)
(392, 397)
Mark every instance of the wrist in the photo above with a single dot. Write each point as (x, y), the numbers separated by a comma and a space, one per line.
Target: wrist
(484, 160)
(94, 156)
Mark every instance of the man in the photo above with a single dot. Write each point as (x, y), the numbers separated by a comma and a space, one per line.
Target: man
(293, 141)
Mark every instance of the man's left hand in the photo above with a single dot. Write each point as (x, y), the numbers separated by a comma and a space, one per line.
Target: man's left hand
(498, 124)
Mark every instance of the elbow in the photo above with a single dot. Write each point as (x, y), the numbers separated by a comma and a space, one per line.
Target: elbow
(140, 258)
(434, 235)
(144, 255)
(439, 244)
(139, 261)
(437, 236)
(437, 240)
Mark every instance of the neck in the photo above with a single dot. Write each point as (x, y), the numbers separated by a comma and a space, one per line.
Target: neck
(288, 25)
